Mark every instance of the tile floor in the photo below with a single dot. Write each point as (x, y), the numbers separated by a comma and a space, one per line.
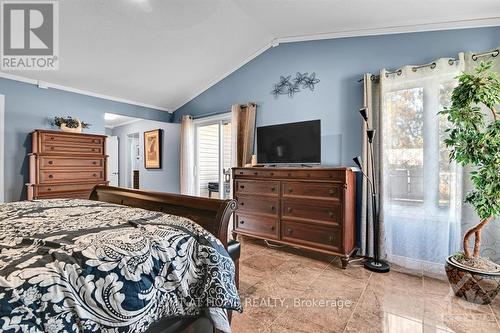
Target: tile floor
(285, 292)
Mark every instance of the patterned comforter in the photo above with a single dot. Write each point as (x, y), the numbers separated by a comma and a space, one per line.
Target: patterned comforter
(87, 266)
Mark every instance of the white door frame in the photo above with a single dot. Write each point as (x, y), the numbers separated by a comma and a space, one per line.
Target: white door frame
(216, 119)
(2, 147)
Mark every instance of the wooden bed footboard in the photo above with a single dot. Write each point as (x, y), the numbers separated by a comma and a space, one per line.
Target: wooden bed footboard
(211, 214)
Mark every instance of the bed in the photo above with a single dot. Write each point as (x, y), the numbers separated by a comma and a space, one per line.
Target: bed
(123, 261)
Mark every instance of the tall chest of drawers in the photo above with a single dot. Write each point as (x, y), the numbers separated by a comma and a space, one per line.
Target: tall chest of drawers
(65, 165)
(309, 208)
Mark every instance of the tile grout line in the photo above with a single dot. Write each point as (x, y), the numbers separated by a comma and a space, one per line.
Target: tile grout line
(357, 303)
(286, 309)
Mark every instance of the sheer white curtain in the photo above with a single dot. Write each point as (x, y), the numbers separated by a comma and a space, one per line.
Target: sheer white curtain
(187, 156)
(420, 192)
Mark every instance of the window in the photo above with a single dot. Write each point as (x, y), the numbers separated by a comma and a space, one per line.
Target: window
(420, 189)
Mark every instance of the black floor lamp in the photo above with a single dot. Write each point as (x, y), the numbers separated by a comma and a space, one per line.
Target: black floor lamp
(374, 264)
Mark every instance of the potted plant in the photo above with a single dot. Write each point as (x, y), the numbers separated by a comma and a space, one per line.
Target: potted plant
(474, 139)
(69, 124)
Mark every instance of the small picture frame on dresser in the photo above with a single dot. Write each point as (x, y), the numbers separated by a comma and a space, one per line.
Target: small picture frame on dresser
(153, 149)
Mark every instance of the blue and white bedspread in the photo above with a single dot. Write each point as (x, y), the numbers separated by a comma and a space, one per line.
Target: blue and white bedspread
(87, 266)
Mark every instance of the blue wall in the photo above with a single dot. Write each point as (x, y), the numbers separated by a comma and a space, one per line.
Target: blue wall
(165, 179)
(339, 64)
(28, 107)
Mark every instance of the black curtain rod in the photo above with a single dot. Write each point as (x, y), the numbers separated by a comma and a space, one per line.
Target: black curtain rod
(432, 65)
(216, 112)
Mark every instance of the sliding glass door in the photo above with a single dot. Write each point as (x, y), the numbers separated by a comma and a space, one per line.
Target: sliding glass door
(213, 157)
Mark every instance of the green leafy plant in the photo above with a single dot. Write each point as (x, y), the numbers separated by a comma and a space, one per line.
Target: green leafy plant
(69, 121)
(474, 139)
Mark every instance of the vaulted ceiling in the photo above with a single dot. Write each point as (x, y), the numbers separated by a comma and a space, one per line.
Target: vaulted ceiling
(165, 52)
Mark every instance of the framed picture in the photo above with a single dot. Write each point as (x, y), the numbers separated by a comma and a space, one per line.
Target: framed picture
(152, 149)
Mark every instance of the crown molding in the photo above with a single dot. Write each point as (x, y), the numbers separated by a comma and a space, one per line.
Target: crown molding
(398, 29)
(47, 85)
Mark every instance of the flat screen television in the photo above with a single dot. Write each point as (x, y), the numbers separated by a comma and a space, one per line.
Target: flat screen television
(292, 143)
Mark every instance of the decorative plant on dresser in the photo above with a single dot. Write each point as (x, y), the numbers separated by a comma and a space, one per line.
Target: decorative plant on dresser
(474, 138)
(69, 124)
(65, 165)
(311, 208)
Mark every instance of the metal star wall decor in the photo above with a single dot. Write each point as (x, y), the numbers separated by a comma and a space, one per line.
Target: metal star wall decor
(311, 81)
(289, 86)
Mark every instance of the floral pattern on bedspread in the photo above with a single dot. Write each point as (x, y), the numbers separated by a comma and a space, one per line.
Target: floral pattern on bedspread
(87, 266)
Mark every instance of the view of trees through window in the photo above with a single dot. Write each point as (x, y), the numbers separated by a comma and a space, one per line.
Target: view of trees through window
(405, 144)
(445, 168)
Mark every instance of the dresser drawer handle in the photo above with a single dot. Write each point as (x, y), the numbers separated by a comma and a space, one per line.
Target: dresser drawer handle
(242, 186)
(330, 214)
(51, 148)
(273, 189)
(51, 176)
(94, 162)
(94, 175)
(290, 190)
(49, 189)
(256, 173)
(242, 203)
(50, 162)
(273, 208)
(331, 238)
(331, 191)
(272, 228)
(241, 172)
(51, 138)
(242, 222)
(289, 230)
(289, 209)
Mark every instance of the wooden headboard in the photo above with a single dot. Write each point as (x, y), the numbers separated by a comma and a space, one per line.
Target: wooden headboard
(211, 214)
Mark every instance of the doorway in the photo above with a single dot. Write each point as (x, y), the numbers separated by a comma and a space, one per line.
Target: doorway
(133, 158)
(122, 148)
(213, 157)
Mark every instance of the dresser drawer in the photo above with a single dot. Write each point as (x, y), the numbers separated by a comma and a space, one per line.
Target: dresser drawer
(257, 187)
(306, 173)
(48, 189)
(77, 149)
(312, 190)
(64, 195)
(60, 176)
(330, 212)
(311, 235)
(71, 139)
(255, 204)
(49, 162)
(257, 225)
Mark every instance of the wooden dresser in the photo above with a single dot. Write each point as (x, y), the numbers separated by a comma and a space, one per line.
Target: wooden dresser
(65, 165)
(310, 208)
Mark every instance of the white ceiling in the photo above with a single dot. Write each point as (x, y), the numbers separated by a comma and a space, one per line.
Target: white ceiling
(112, 120)
(164, 53)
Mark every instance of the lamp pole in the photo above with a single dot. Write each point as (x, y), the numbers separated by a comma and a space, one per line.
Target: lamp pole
(373, 264)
